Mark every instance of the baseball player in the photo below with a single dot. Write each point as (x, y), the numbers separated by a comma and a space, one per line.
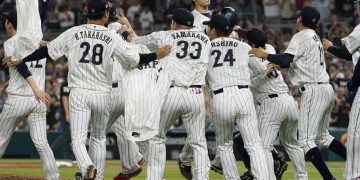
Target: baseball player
(277, 111)
(305, 59)
(89, 49)
(201, 13)
(229, 59)
(131, 160)
(23, 89)
(350, 51)
(187, 68)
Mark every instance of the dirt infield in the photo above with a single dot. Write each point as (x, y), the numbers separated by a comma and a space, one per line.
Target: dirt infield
(16, 177)
(20, 165)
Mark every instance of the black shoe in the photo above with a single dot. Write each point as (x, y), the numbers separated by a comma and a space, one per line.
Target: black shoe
(90, 173)
(78, 176)
(247, 176)
(280, 168)
(185, 170)
(217, 169)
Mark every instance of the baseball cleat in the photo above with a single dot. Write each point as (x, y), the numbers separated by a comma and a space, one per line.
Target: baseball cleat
(185, 170)
(78, 176)
(90, 173)
(282, 167)
(247, 176)
(217, 169)
(122, 176)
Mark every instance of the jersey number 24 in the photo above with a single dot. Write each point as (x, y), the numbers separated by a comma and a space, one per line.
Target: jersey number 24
(229, 57)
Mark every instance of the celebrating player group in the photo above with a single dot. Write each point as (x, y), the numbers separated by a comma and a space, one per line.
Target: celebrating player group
(138, 86)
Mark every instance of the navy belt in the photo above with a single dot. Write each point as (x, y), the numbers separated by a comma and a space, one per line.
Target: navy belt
(115, 85)
(302, 88)
(192, 86)
(273, 95)
(222, 90)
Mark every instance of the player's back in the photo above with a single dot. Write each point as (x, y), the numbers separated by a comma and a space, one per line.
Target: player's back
(89, 49)
(189, 55)
(228, 64)
(17, 84)
(308, 65)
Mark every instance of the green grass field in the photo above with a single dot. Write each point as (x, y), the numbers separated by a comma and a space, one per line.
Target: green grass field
(171, 172)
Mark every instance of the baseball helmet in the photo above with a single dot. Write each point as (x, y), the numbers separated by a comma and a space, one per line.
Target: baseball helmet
(112, 12)
(230, 15)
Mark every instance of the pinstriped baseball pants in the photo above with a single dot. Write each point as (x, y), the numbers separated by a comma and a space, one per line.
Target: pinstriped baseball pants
(89, 107)
(280, 115)
(18, 109)
(352, 168)
(236, 107)
(187, 103)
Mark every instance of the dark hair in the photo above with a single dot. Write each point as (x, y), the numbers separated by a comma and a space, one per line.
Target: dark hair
(222, 33)
(97, 16)
(308, 25)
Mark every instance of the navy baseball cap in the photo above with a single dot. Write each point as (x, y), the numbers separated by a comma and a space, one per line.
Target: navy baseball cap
(253, 36)
(218, 21)
(183, 17)
(11, 17)
(310, 16)
(95, 8)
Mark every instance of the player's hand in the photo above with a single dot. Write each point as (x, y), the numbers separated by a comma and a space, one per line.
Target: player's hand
(122, 19)
(326, 43)
(123, 29)
(43, 43)
(4, 86)
(258, 52)
(163, 52)
(67, 118)
(43, 96)
(8, 62)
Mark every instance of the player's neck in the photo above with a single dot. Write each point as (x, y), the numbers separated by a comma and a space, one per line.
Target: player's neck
(11, 33)
(202, 9)
(96, 22)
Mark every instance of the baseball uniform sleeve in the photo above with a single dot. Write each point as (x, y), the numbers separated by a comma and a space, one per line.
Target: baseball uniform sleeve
(296, 47)
(60, 46)
(257, 68)
(152, 40)
(126, 54)
(352, 42)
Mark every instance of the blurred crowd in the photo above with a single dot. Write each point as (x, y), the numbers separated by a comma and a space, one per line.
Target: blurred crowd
(276, 17)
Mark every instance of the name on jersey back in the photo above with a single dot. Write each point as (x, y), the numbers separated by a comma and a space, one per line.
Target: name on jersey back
(197, 35)
(93, 35)
(224, 43)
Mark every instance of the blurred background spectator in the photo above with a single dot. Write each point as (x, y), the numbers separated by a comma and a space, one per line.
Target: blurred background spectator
(276, 17)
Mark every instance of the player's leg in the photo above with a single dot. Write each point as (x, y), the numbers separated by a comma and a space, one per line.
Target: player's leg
(15, 111)
(314, 102)
(324, 139)
(157, 150)
(99, 104)
(271, 113)
(352, 168)
(80, 117)
(288, 137)
(128, 150)
(248, 126)
(224, 115)
(37, 125)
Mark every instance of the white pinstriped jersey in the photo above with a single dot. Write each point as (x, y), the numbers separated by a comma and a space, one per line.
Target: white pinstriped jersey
(117, 74)
(262, 84)
(228, 64)
(89, 49)
(17, 84)
(308, 65)
(189, 56)
(352, 44)
(198, 21)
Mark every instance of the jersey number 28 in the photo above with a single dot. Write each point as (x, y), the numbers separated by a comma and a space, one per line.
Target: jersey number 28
(97, 53)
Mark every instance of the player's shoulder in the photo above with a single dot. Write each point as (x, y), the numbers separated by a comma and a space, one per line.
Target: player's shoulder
(270, 49)
(9, 45)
